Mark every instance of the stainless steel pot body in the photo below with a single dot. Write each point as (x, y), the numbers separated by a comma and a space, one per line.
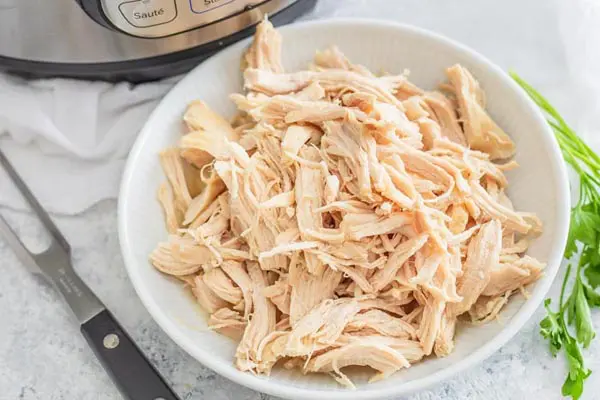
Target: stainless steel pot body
(117, 38)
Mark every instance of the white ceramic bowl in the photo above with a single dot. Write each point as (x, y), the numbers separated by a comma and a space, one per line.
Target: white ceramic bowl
(539, 185)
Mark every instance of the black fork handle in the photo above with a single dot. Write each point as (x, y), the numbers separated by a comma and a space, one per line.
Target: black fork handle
(131, 371)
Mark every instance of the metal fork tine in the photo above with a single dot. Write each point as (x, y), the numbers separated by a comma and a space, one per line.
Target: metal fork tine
(35, 204)
(17, 246)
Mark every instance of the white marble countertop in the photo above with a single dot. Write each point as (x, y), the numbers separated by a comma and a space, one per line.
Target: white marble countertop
(44, 357)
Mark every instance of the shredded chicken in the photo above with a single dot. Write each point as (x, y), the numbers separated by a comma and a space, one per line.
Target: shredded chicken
(481, 131)
(343, 218)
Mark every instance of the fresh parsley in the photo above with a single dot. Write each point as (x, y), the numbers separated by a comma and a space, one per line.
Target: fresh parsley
(570, 327)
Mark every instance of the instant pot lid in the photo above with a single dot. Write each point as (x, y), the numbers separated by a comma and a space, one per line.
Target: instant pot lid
(130, 58)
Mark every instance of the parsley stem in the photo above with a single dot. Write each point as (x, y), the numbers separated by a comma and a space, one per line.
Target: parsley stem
(563, 288)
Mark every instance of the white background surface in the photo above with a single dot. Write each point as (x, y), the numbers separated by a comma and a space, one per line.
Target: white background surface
(552, 44)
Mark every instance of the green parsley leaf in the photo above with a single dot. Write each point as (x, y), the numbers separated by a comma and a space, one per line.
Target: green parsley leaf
(571, 247)
(551, 329)
(590, 261)
(591, 295)
(573, 385)
(584, 225)
(592, 273)
(583, 317)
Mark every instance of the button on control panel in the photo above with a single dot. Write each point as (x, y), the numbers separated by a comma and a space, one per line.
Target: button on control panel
(160, 18)
(146, 13)
(202, 6)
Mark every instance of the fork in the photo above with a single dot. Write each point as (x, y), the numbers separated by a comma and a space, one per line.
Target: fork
(129, 369)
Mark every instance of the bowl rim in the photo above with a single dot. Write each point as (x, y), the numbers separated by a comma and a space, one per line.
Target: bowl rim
(280, 389)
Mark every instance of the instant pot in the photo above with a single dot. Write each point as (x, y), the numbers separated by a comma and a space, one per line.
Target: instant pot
(135, 40)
